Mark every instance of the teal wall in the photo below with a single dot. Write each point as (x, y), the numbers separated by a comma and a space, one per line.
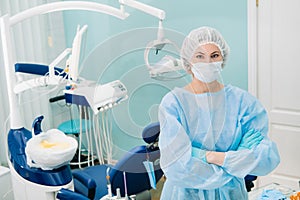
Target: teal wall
(114, 50)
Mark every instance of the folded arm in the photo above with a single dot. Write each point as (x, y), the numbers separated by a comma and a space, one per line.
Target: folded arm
(256, 154)
(176, 159)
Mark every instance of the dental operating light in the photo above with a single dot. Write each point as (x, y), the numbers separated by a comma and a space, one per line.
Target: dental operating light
(167, 64)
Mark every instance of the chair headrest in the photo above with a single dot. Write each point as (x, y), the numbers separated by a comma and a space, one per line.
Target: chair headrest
(151, 132)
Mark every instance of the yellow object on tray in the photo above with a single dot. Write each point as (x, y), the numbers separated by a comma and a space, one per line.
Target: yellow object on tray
(58, 145)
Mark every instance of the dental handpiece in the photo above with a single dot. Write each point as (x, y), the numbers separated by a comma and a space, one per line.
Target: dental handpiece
(108, 183)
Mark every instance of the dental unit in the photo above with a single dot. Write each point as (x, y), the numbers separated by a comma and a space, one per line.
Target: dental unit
(34, 182)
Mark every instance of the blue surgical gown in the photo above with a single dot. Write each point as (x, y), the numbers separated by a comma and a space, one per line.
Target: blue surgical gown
(215, 122)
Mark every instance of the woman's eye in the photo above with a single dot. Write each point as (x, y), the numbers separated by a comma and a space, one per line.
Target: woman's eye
(199, 56)
(215, 56)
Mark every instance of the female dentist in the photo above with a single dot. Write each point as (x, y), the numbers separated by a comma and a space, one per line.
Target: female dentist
(212, 135)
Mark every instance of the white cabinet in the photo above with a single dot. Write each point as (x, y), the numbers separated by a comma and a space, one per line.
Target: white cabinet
(5, 182)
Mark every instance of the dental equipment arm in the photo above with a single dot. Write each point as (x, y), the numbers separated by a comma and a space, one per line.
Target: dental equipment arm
(52, 78)
(37, 82)
(160, 14)
(55, 74)
(67, 5)
(37, 69)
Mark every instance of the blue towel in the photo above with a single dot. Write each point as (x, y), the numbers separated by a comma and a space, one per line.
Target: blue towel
(271, 195)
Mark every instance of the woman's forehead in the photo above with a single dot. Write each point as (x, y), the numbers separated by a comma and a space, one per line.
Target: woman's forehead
(207, 49)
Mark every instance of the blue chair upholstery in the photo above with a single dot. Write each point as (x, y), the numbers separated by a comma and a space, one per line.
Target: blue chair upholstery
(95, 174)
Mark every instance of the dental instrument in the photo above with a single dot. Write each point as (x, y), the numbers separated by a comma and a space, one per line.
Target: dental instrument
(109, 193)
(125, 186)
(118, 193)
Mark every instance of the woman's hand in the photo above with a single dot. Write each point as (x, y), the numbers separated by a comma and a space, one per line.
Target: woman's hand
(212, 157)
(216, 158)
(250, 140)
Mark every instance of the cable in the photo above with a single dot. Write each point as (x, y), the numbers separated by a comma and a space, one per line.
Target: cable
(109, 132)
(88, 136)
(97, 140)
(91, 131)
(80, 137)
(107, 135)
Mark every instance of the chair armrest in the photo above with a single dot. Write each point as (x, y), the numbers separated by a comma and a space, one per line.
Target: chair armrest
(65, 194)
(85, 180)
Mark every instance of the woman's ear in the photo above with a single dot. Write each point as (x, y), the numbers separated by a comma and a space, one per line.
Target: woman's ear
(188, 70)
(223, 65)
(187, 66)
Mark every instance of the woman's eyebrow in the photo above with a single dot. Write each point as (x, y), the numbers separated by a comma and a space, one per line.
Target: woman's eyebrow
(215, 52)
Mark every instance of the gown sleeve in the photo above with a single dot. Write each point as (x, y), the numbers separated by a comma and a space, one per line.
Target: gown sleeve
(260, 160)
(176, 157)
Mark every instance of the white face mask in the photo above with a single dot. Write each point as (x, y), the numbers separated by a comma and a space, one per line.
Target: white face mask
(207, 72)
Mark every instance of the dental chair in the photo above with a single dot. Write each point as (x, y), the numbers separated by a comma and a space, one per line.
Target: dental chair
(91, 182)
(33, 182)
